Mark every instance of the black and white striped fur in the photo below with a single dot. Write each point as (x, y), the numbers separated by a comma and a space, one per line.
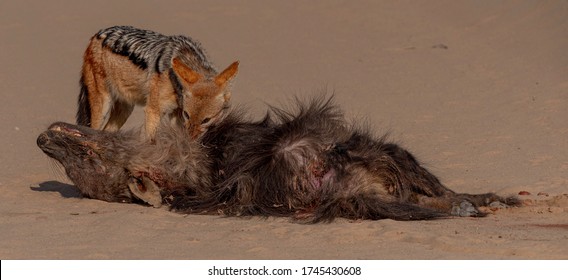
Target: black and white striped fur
(154, 51)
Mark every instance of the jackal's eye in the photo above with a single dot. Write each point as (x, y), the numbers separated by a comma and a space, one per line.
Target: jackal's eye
(205, 121)
(185, 115)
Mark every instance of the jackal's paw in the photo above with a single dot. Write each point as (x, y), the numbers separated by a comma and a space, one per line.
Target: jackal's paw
(464, 209)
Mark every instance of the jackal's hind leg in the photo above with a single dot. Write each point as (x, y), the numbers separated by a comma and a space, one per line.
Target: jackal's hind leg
(119, 113)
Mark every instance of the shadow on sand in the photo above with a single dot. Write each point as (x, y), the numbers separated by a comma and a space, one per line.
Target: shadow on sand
(66, 190)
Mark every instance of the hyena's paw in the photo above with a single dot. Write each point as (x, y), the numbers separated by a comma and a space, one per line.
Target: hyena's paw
(464, 209)
(498, 205)
(512, 201)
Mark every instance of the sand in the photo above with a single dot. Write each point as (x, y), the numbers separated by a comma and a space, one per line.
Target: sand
(477, 90)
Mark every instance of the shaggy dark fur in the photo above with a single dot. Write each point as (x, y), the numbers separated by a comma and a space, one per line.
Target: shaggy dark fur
(308, 164)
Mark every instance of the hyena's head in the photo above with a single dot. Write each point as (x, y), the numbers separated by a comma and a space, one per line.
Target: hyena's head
(92, 159)
(205, 99)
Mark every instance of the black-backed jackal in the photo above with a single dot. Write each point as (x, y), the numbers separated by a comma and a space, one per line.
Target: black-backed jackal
(124, 66)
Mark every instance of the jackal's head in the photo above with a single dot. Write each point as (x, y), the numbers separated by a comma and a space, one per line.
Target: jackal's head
(205, 99)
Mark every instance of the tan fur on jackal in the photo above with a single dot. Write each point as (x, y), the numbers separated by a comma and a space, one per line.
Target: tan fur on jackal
(169, 75)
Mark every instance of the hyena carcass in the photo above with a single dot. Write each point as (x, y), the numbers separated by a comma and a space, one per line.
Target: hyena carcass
(309, 164)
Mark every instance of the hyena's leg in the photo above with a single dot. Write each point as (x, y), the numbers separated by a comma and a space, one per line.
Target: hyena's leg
(413, 174)
(119, 114)
(450, 204)
(364, 203)
(360, 192)
(426, 189)
(465, 205)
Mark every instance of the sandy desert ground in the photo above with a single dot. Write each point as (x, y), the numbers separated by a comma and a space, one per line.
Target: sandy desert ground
(477, 90)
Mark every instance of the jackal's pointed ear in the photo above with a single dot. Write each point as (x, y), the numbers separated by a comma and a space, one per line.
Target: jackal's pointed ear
(228, 74)
(184, 72)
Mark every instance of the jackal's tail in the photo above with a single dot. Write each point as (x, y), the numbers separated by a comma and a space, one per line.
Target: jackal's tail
(84, 108)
